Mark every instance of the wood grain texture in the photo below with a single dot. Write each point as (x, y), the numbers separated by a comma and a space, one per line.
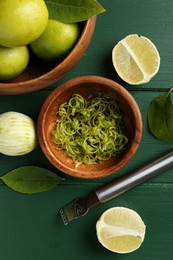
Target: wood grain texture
(89, 86)
(30, 227)
(40, 74)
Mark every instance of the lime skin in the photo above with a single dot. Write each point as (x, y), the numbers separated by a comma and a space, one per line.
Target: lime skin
(56, 41)
(22, 21)
(14, 61)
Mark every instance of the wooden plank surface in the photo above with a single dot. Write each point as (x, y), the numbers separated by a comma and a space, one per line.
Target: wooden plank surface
(30, 227)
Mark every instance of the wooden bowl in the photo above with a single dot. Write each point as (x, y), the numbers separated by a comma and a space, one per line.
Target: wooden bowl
(40, 74)
(86, 86)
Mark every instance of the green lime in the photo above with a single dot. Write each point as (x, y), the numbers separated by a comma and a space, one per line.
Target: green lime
(120, 230)
(22, 21)
(56, 41)
(14, 60)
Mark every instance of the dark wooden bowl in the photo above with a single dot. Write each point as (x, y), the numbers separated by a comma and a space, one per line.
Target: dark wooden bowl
(40, 74)
(86, 86)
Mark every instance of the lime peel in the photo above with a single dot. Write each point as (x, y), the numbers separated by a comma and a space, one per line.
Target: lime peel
(22, 21)
(89, 131)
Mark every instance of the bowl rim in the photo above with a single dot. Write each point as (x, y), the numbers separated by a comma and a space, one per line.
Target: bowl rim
(45, 108)
(88, 27)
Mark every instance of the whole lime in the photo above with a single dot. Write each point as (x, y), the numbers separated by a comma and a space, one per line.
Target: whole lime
(22, 21)
(56, 41)
(14, 60)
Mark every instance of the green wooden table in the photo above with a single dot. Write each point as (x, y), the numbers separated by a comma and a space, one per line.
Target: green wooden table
(30, 227)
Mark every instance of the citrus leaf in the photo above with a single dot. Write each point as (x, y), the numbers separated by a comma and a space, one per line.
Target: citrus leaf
(30, 179)
(71, 11)
(160, 117)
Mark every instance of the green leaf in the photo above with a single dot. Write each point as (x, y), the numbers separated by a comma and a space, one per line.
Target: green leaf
(71, 11)
(30, 179)
(160, 117)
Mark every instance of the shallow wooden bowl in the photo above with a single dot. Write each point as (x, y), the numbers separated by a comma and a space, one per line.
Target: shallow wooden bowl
(40, 74)
(86, 86)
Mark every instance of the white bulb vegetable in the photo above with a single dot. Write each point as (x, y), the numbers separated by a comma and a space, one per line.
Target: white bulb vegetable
(17, 134)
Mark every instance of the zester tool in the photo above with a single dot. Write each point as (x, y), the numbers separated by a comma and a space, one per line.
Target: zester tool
(79, 207)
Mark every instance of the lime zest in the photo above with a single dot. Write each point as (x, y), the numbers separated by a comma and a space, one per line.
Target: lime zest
(89, 131)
